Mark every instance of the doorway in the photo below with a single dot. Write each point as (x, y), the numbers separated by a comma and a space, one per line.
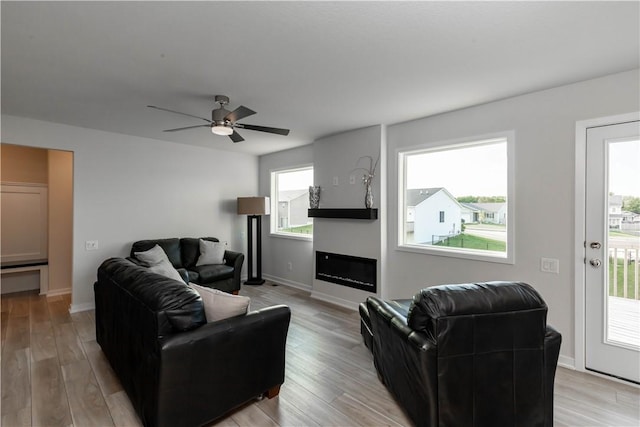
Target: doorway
(611, 250)
(37, 223)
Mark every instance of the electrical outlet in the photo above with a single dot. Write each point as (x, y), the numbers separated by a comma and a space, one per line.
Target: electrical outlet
(336, 181)
(550, 265)
(352, 179)
(91, 245)
(290, 266)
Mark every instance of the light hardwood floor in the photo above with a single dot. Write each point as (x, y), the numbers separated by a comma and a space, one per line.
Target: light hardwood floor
(54, 373)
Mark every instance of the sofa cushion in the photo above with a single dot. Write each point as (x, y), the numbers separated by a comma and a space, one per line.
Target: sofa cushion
(170, 246)
(153, 256)
(191, 250)
(220, 305)
(165, 268)
(211, 273)
(211, 252)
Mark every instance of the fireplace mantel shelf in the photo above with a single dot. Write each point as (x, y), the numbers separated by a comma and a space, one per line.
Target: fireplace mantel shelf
(344, 213)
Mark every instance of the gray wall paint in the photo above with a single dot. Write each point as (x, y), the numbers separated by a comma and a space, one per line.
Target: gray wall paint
(128, 188)
(277, 252)
(544, 124)
(337, 156)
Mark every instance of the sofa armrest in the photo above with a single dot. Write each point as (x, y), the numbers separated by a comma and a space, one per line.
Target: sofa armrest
(222, 364)
(235, 260)
(405, 359)
(184, 274)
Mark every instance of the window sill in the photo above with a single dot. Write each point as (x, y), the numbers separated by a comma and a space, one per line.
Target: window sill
(452, 253)
(292, 236)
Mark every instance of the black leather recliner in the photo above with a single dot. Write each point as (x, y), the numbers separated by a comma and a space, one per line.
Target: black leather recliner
(177, 369)
(466, 355)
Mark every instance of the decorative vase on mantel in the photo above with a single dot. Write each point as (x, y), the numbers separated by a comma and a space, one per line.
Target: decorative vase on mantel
(314, 196)
(368, 195)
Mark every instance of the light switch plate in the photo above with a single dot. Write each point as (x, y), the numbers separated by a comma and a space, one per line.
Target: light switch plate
(550, 265)
(91, 245)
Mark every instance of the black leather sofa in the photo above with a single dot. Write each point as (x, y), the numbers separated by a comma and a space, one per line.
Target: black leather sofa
(466, 355)
(183, 254)
(177, 369)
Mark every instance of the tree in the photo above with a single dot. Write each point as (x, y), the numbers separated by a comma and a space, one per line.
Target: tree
(631, 204)
(468, 199)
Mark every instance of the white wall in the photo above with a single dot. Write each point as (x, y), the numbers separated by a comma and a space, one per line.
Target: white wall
(128, 188)
(544, 124)
(337, 156)
(277, 252)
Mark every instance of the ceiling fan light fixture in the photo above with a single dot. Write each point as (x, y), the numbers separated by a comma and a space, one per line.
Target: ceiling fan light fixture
(222, 130)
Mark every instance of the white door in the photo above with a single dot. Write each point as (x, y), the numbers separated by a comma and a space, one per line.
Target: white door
(612, 294)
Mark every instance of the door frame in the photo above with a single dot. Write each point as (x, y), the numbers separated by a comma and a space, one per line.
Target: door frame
(580, 235)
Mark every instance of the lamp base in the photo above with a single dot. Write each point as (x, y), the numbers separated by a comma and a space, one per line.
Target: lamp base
(254, 281)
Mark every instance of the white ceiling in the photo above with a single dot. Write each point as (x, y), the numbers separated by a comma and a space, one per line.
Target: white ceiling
(317, 68)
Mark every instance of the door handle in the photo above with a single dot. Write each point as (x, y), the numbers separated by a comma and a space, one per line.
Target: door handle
(595, 263)
(595, 245)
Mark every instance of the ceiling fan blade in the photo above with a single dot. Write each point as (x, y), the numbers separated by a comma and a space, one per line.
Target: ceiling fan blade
(187, 127)
(264, 129)
(178, 112)
(235, 137)
(239, 113)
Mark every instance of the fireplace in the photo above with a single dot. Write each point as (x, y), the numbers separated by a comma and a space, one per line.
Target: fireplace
(347, 270)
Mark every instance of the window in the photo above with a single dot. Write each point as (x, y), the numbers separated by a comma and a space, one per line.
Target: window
(290, 201)
(455, 199)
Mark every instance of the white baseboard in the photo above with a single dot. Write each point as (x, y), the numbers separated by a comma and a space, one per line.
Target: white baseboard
(567, 362)
(76, 308)
(56, 292)
(287, 282)
(334, 300)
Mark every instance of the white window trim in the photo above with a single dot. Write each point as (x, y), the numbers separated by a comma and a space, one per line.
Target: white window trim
(488, 256)
(273, 226)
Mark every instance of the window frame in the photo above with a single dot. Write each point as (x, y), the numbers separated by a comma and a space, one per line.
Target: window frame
(507, 257)
(273, 220)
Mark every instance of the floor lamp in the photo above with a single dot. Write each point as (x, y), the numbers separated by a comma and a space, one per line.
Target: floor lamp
(254, 208)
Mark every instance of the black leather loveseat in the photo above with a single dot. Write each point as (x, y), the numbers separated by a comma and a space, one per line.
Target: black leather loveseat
(183, 254)
(177, 369)
(466, 355)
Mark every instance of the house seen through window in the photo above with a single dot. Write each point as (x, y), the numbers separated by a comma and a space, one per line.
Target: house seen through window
(290, 201)
(454, 199)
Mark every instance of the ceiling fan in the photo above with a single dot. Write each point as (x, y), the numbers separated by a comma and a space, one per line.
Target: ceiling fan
(225, 122)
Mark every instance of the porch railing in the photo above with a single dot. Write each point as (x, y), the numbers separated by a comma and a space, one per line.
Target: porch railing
(624, 272)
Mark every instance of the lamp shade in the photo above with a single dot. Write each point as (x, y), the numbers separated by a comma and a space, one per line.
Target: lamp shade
(253, 206)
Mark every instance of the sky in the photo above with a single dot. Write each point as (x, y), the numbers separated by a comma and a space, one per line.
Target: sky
(466, 171)
(624, 168)
(298, 180)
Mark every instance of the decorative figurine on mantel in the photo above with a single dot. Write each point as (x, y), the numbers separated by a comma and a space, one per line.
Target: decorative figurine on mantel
(367, 178)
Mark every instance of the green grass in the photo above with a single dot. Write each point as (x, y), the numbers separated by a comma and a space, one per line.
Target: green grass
(631, 280)
(468, 241)
(301, 229)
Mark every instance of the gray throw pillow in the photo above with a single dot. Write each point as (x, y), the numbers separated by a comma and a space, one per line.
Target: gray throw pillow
(211, 252)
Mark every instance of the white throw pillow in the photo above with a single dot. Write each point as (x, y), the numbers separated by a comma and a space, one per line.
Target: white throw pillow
(153, 256)
(220, 305)
(166, 269)
(211, 252)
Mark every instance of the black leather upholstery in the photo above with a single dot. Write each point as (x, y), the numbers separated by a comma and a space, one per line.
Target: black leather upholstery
(467, 355)
(177, 370)
(184, 253)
